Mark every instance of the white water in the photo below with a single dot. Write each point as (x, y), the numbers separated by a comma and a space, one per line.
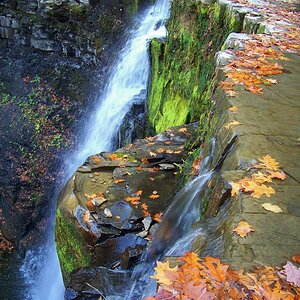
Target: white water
(128, 79)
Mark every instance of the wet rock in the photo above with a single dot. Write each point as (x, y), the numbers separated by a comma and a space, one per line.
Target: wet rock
(138, 182)
(130, 256)
(109, 252)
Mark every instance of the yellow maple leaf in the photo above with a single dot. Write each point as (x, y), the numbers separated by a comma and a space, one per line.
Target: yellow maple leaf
(267, 162)
(243, 229)
(233, 109)
(231, 124)
(161, 270)
(235, 188)
(273, 208)
(261, 190)
(259, 177)
(278, 174)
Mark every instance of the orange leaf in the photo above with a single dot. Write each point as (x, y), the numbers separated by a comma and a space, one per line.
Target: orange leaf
(139, 193)
(296, 259)
(157, 217)
(254, 89)
(119, 181)
(133, 200)
(243, 229)
(153, 196)
(113, 156)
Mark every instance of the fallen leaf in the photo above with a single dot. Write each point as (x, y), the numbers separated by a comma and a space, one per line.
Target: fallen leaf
(279, 174)
(233, 109)
(153, 196)
(254, 89)
(231, 93)
(113, 156)
(296, 259)
(95, 159)
(292, 274)
(263, 190)
(139, 193)
(144, 206)
(160, 273)
(145, 161)
(107, 213)
(157, 217)
(243, 229)
(133, 200)
(183, 130)
(273, 208)
(119, 181)
(267, 162)
(235, 188)
(231, 124)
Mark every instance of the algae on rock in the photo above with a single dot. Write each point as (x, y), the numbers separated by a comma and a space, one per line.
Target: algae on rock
(183, 66)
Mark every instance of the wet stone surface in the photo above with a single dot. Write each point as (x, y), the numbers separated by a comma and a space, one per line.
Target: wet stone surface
(115, 200)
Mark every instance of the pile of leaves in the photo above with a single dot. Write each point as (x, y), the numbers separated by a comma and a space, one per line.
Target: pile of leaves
(260, 57)
(255, 184)
(208, 278)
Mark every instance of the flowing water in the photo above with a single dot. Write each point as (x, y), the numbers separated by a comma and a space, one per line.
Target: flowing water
(128, 80)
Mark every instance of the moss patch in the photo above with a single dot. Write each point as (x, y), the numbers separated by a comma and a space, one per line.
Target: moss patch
(71, 249)
(183, 67)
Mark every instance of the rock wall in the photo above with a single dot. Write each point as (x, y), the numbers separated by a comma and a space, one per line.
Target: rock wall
(81, 29)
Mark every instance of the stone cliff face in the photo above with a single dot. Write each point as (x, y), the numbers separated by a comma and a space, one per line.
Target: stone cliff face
(54, 58)
(76, 28)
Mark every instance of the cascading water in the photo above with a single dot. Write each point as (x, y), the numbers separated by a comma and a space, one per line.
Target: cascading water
(128, 79)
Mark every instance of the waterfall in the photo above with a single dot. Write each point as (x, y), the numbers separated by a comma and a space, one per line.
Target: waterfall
(128, 79)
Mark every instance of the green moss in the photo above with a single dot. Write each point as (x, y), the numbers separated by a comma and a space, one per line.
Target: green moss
(71, 249)
(183, 67)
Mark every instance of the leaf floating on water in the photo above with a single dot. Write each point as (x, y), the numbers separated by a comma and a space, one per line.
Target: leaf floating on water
(243, 229)
(231, 124)
(273, 208)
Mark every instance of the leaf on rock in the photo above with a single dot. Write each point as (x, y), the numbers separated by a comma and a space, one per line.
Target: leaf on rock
(231, 93)
(233, 109)
(153, 196)
(235, 188)
(243, 229)
(278, 174)
(296, 259)
(119, 181)
(267, 162)
(262, 190)
(292, 274)
(273, 208)
(161, 274)
(183, 130)
(254, 89)
(157, 217)
(231, 124)
(133, 200)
